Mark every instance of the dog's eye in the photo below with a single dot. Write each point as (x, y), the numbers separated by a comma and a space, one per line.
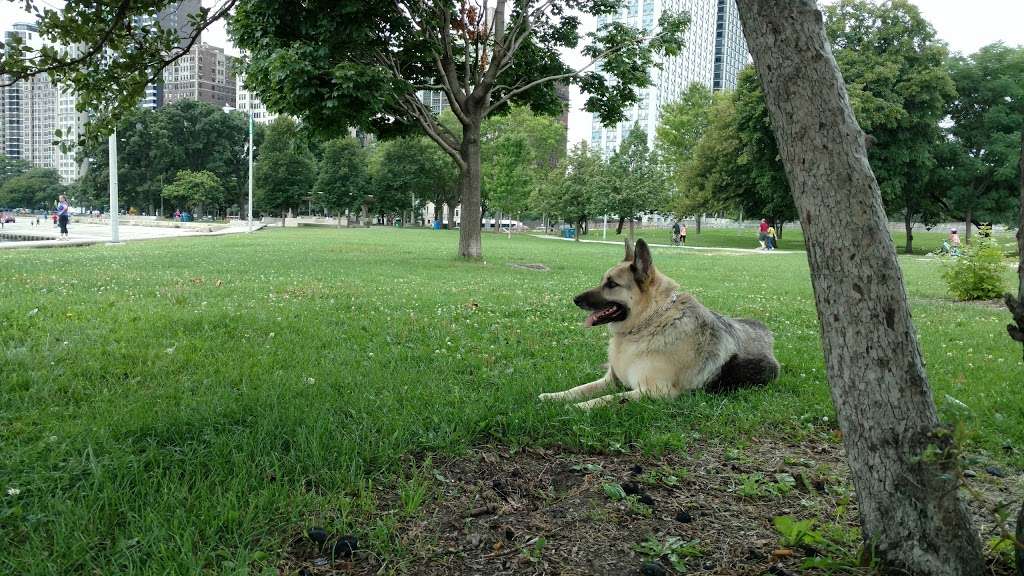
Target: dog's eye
(611, 284)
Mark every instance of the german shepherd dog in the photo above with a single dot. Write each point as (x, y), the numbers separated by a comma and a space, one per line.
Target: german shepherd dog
(664, 342)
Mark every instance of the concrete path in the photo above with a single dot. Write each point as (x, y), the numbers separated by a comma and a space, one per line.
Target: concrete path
(45, 235)
(696, 248)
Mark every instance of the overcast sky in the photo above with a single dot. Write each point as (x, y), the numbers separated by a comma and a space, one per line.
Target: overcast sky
(965, 26)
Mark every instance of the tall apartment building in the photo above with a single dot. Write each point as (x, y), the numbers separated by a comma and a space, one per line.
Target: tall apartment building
(714, 53)
(176, 18)
(32, 110)
(205, 74)
(436, 100)
(248, 102)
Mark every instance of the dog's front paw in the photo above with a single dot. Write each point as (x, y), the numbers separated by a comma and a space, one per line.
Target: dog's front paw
(549, 397)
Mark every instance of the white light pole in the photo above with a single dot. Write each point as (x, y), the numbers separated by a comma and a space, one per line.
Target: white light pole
(229, 108)
(112, 152)
(604, 233)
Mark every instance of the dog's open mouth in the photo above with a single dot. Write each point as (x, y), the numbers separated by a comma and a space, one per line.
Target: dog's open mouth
(611, 313)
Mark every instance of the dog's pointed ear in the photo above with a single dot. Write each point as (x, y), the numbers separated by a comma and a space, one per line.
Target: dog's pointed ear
(629, 250)
(642, 265)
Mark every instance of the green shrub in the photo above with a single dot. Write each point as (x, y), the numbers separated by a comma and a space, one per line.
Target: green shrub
(977, 274)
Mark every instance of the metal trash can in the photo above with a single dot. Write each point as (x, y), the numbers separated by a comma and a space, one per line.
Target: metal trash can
(568, 232)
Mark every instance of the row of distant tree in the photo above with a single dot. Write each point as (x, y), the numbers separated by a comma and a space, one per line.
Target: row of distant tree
(944, 131)
(25, 186)
(943, 142)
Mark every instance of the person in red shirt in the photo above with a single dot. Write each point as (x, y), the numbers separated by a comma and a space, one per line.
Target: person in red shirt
(762, 234)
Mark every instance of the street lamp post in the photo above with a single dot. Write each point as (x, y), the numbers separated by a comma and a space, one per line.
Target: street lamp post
(229, 108)
(112, 152)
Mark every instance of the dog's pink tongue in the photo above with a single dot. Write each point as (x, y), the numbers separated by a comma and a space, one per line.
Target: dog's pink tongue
(591, 319)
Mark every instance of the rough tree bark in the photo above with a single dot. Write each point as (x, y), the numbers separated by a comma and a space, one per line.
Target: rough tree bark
(469, 192)
(1016, 305)
(909, 507)
(1017, 332)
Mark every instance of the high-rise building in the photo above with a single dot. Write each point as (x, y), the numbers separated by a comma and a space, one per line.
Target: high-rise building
(249, 103)
(175, 17)
(704, 59)
(730, 46)
(32, 110)
(436, 100)
(205, 74)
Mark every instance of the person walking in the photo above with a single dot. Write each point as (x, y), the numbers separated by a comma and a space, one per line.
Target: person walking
(675, 233)
(771, 238)
(63, 215)
(762, 234)
(954, 242)
(682, 233)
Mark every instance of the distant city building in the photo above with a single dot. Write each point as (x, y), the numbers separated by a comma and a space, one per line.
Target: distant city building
(730, 46)
(713, 54)
(248, 102)
(32, 110)
(562, 91)
(436, 100)
(176, 18)
(204, 74)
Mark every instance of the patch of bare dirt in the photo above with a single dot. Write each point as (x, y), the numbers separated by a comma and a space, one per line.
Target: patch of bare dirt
(498, 511)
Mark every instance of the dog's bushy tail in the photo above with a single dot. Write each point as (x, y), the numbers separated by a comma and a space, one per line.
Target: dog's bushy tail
(744, 372)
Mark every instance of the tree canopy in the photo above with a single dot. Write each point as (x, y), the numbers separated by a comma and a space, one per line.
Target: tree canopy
(32, 188)
(520, 151)
(899, 87)
(636, 183)
(358, 63)
(343, 180)
(285, 175)
(408, 172)
(154, 145)
(195, 190)
(987, 116)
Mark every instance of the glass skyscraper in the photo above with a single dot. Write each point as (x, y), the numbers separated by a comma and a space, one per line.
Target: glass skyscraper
(713, 55)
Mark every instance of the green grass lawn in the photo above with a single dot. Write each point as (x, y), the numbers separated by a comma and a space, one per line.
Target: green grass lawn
(185, 406)
(792, 237)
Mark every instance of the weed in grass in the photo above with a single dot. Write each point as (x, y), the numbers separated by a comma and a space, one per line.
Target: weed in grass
(613, 491)
(672, 548)
(756, 485)
(831, 546)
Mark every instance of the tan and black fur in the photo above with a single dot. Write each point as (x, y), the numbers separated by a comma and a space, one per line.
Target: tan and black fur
(665, 342)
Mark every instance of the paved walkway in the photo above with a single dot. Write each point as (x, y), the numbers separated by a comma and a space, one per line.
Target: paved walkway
(708, 248)
(45, 235)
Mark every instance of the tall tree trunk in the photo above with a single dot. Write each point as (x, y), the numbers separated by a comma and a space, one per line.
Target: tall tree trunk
(630, 229)
(909, 506)
(497, 223)
(698, 222)
(579, 229)
(1017, 332)
(469, 191)
(967, 224)
(909, 226)
(618, 229)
